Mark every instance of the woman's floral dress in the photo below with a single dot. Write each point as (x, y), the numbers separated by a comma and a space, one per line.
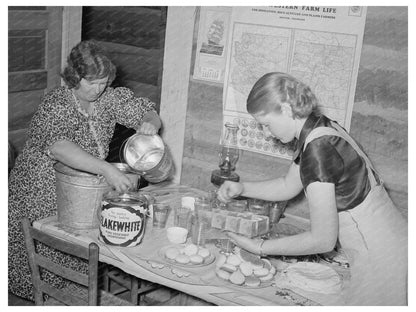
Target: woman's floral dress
(32, 180)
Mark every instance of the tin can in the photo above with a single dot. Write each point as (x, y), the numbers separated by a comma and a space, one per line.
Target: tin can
(123, 219)
(148, 156)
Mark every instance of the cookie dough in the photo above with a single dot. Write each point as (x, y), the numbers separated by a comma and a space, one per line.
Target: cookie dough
(222, 274)
(184, 259)
(246, 268)
(237, 278)
(196, 259)
(191, 250)
(171, 253)
(252, 281)
(204, 252)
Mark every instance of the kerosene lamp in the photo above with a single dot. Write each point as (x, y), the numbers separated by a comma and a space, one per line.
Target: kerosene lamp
(228, 156)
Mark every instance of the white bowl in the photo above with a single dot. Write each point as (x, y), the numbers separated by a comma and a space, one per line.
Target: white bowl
(177, 235)
(188, 202)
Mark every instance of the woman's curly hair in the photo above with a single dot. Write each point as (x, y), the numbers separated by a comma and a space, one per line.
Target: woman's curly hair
(275, 88)
(90, 61)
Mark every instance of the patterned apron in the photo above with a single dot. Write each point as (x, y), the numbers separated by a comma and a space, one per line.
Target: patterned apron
(373, 236)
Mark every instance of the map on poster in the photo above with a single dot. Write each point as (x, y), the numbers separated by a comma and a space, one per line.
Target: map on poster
(321, 46)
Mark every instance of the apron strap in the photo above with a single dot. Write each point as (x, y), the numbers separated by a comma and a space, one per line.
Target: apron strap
(340, 132)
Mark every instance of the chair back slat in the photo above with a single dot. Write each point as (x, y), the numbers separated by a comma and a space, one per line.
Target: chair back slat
(60, 244)
(62, 296)
(57, 269)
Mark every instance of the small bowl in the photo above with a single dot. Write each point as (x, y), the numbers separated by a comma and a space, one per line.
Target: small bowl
(177, 235)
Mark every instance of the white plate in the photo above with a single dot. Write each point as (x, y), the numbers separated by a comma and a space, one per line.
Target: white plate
(207, 261)
(243, 286)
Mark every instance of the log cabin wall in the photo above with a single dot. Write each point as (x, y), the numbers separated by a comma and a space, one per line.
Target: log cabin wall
(34, 63)
(134, 38)
(379, 120)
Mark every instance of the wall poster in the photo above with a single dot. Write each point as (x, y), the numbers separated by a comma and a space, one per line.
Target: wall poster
(319, 45)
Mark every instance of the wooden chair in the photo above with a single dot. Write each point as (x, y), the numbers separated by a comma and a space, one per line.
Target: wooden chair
(90, 295)
(126, 283)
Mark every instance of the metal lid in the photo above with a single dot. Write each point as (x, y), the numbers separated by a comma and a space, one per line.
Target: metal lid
(125, 199)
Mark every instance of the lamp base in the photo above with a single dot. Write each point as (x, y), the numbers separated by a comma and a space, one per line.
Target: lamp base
(218, 177)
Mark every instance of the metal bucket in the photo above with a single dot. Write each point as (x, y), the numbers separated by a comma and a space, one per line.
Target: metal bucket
(148, 155)
(79, 197)
(123, 219)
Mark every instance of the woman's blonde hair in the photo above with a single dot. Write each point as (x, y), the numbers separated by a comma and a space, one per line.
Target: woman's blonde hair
(275, 88)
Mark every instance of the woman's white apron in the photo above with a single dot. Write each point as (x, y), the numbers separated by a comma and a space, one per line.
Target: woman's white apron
(373, 236)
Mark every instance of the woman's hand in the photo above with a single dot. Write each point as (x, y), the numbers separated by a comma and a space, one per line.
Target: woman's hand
(147, 128)
(229, 190)
(117, 179)
(246, 243)
(151, 124)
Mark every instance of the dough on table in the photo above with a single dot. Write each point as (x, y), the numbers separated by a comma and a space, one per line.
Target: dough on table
(196, 259)
(204, 252)
(246, 268)
(233, 260)
(266, 278)
(221, 260)
(191, 250)
(184, 259)
(223, 274)
(267, 264)
(171, 253)
(228, 267)
(261, 272)
(252, 281)
(237, 278)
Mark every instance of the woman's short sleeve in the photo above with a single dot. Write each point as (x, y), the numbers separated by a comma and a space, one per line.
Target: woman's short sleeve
(53, 121)
(321, 162)
(128, 109)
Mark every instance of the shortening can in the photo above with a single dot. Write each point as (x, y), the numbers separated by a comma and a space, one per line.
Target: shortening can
(123, 219)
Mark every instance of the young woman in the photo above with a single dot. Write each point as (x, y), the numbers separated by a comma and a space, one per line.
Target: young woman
(346, 197)
(74, 125)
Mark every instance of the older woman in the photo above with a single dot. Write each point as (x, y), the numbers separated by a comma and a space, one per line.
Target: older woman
(346, 198)
(74, 125)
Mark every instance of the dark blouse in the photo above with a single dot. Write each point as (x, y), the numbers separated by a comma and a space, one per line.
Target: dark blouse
(331, 159)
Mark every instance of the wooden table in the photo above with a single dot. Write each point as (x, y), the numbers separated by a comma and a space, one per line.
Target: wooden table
(145, 261)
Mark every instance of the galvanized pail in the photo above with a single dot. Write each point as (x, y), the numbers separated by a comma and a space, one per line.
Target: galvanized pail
(79, 197)
(148, 155)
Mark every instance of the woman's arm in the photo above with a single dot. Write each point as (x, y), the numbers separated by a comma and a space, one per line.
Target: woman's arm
(279, 189)
(74, 156)
(134, 112)
(321, 237)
